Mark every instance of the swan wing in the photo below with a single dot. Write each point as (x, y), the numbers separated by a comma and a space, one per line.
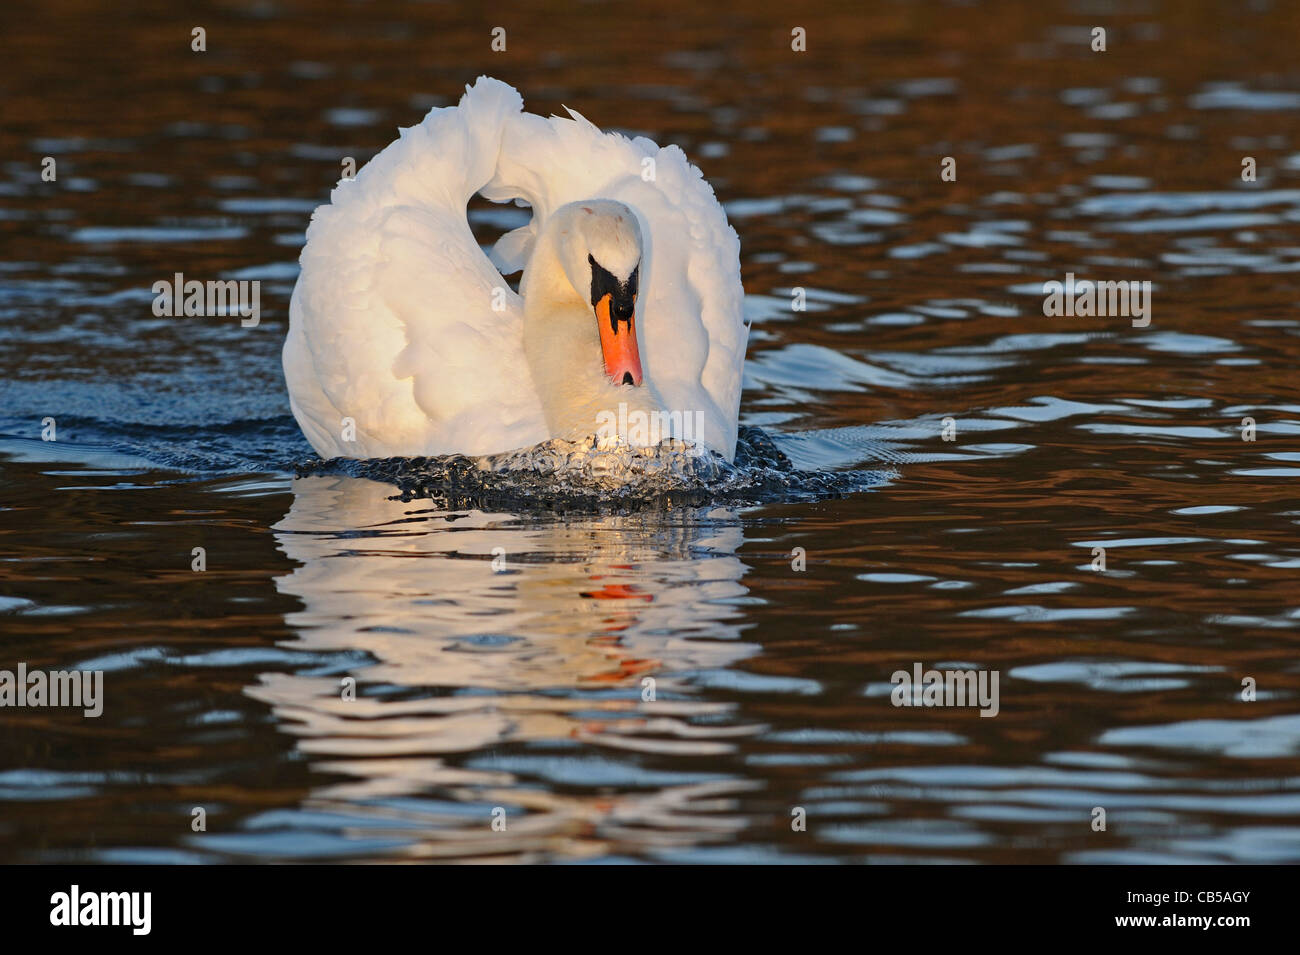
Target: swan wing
(399, 321)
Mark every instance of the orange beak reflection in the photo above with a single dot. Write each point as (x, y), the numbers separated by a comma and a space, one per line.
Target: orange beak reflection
(618, 344)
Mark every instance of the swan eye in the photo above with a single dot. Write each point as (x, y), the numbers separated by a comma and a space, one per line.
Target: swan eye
(602, 281)
(621, 295)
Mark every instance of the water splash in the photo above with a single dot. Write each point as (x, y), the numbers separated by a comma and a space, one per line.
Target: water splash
(561, 475)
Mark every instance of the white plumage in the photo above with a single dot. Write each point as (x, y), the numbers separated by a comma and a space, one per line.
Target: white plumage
(392, 323)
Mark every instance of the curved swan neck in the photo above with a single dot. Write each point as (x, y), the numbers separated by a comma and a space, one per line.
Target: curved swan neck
(545, 285)
(563, 349)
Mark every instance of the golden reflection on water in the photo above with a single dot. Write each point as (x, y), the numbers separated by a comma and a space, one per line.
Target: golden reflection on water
(596, 617)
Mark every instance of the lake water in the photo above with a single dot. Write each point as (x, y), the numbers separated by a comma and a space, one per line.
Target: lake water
(1011, 446)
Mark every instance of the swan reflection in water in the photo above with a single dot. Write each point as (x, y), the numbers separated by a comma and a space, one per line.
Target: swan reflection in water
(504, 661)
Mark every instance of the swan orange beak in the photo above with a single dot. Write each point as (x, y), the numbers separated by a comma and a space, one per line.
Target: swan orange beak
(618, 341)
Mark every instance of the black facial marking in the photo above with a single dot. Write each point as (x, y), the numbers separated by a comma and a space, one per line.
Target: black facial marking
(622, 302)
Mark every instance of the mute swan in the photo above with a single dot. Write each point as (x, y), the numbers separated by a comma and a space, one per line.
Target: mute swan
(404, 338)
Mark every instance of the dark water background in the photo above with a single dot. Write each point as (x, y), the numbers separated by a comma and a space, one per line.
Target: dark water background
(522, 689)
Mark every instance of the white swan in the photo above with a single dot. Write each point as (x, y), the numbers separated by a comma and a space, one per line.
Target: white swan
(404, 339)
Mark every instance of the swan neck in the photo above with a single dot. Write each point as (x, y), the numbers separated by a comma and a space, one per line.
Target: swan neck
(563, 349)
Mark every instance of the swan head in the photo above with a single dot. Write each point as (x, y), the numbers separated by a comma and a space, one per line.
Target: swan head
(598, 243)
(580, 323)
